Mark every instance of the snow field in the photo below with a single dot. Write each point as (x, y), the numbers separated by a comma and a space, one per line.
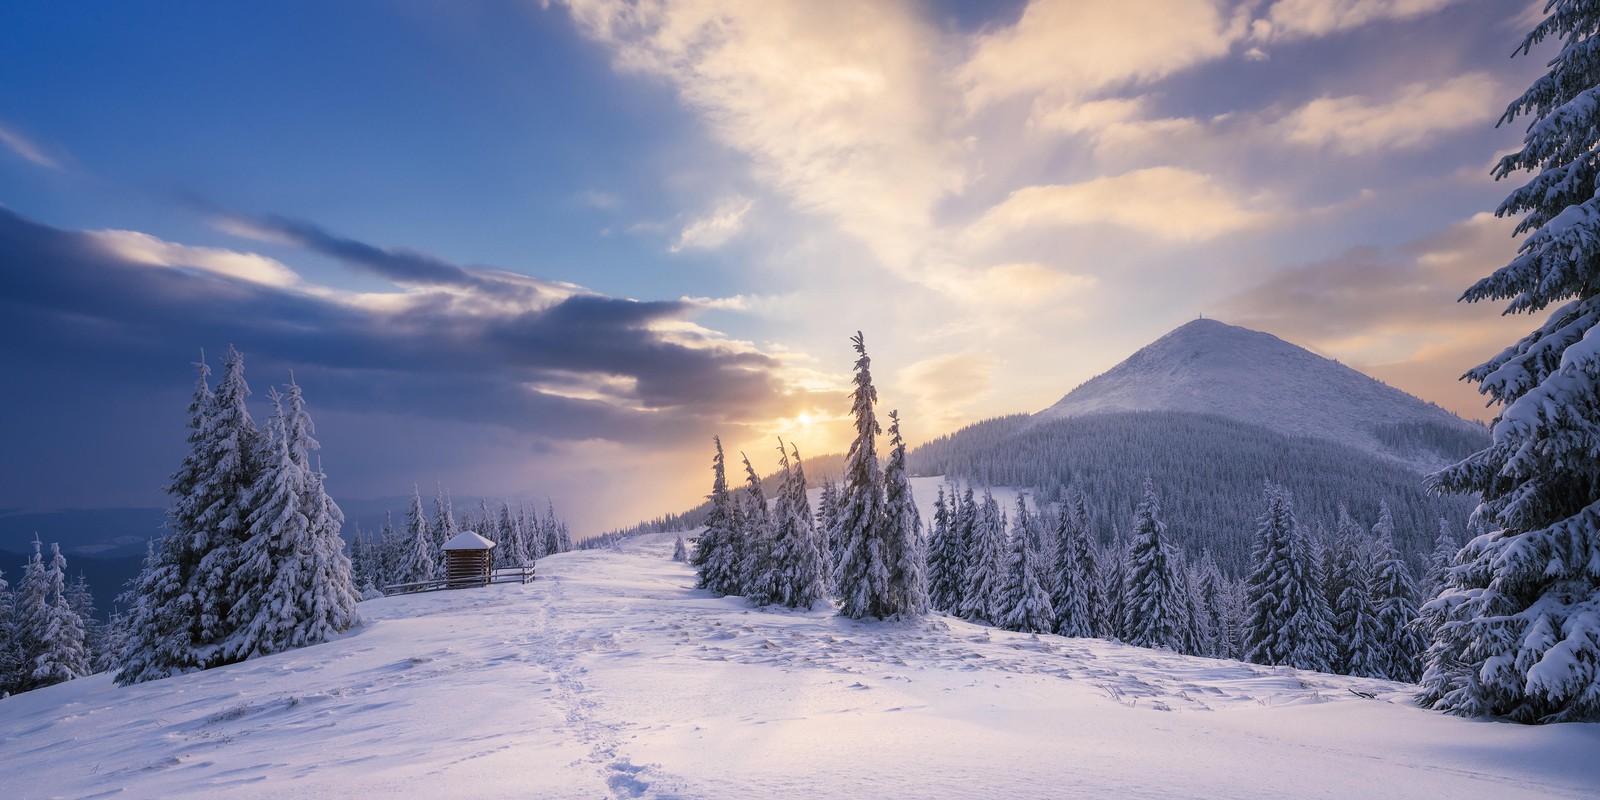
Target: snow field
(611, 677)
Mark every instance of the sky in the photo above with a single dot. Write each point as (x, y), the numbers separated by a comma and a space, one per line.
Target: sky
(549, 249)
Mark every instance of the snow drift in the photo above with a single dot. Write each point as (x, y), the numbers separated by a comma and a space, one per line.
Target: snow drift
(611, 677)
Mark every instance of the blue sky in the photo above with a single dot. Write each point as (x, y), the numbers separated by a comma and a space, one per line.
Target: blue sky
(552, 248)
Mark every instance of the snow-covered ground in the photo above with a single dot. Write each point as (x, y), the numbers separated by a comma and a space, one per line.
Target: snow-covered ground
(611, 677)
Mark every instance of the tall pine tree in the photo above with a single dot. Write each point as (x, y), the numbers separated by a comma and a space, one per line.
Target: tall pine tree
(1286, 612)
(906, 551)
(1155, 596)
(757, 577)
(293, 579)
(1354, 617)
(862, 574)
(1024, 605)
(944, 559)
(798, 560)
(1519, 632)
(417, 561)
(1074, 572)
(716, 555)
(1395, 629)
(986, 571)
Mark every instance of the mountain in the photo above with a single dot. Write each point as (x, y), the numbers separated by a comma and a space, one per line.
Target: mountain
(1210, 367)
(1209, 413)
(611, 677)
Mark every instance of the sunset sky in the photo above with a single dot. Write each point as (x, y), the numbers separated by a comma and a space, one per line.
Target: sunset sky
(551, 248)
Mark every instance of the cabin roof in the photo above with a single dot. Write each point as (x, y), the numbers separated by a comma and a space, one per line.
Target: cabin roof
(467, 540)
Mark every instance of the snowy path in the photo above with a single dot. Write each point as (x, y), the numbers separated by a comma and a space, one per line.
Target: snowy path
(610, 678)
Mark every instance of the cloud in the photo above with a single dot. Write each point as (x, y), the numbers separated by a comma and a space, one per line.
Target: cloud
(1075, 48)
(849, 128)
(1317, 18)
(1011, 286)
(1393, 312)
(1415, 115)
(142, 248)
(1168, 202)
(451, 346)
(715, 229)
(943, 389)
(404, 267)
(26, 148)
(1369, 287)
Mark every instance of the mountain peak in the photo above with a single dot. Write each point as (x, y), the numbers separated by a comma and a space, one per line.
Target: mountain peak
(1208, 366)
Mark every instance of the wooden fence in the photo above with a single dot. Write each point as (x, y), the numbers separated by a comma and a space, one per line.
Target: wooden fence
(522, 574)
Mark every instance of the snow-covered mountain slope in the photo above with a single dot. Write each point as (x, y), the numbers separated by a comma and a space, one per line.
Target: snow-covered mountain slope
(611, 677)
(1210, 367)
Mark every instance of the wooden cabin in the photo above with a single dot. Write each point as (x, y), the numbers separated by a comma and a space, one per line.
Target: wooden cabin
(468, 560)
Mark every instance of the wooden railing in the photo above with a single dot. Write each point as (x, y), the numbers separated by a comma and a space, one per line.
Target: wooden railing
(518, 574)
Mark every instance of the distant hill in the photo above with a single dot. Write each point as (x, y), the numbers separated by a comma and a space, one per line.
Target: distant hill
(825, 467)
(1208, 367)
(99, 532)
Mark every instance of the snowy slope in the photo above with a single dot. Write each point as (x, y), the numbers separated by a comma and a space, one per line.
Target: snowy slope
(1210, 367)
(611, 677)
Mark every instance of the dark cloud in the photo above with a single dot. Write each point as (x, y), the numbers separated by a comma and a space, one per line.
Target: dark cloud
(74, 303)
(401, 266)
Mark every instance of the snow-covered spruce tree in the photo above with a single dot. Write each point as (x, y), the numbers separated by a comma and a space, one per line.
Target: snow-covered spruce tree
(964, 539)
(715, 553)
(906, 551)
(516, 518)
(1519, 632)
(1286, 612)
(943, 558)
(757, 577)
(81, 601)
(828, 517)
(862, 573)
(797, 562)
(293, 578)
(387, 553)
(1113, 563)
(1211, 599)
(1396, 633)
(145, 654)
(10, 658)
(51, 632)
(1074, 571)
(986, 571)
(1319, 637)
(1025, 605)
(1354, 616)
(1443, 557)
(67, 638)
(163, 609)
(1194, 612)
(559, 537)
(680, 549)
(223, 496)
(416, 561)
(444, 527)
(532, 533)
(1155, 599)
